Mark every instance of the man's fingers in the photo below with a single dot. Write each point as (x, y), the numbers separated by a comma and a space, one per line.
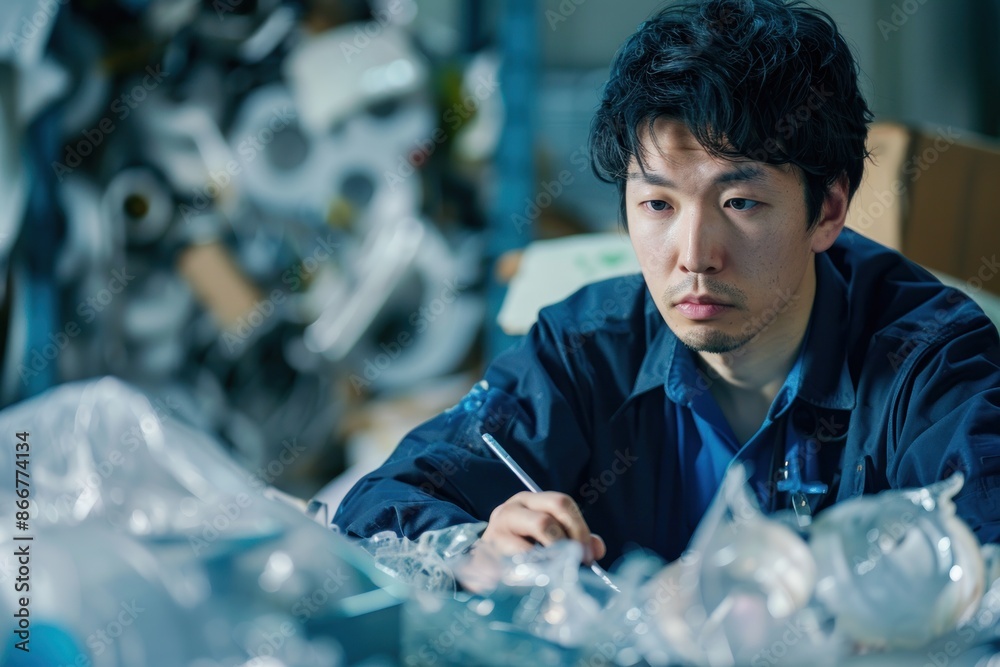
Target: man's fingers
(598, 546)
(565, 511)
(509, 544)
(535, 525)
(541, 518)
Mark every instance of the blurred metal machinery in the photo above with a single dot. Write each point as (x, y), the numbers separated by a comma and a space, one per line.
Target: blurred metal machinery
(237, 208)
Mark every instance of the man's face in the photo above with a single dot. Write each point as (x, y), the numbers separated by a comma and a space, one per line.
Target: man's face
(723, 245)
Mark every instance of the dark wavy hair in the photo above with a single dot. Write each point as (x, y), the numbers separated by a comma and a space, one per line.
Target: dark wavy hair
(768, 80)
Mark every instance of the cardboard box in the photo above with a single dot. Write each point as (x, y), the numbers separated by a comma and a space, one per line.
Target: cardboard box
(930, 194)
(218, 282)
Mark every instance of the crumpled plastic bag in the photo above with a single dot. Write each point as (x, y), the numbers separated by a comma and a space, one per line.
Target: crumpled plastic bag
(752, 589)
(151, 546)
(425, 563)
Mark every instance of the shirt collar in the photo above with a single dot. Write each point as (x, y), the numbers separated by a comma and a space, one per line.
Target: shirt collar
(825, 380)
(820, 375)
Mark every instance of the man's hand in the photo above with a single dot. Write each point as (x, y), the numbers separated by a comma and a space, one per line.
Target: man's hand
(542, 518)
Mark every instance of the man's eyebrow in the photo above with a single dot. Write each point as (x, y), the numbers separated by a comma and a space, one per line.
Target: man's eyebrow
(652, 178)
(740, 174)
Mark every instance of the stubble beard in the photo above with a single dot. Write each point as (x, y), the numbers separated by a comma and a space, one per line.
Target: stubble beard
(714, 342)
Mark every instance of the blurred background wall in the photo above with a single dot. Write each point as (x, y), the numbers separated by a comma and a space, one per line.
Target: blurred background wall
(283, 219)
(922, 62)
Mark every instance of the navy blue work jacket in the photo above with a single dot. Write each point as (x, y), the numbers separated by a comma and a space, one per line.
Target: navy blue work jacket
(897, 384)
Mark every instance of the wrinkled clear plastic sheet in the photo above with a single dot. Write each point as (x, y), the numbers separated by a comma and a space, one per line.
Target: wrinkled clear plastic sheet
(894, 579)
(151, 546)
(536, 608)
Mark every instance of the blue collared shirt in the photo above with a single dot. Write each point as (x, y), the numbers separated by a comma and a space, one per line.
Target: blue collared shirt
(896, 384)
(707, 445)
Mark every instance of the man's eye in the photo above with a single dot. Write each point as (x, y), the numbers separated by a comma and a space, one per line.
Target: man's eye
(740, 204)
(656, 205)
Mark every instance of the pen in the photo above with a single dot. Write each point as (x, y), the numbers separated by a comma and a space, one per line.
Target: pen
(533, 487)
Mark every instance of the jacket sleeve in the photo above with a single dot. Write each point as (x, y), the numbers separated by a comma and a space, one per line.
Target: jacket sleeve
(442, 473)
(948, 420)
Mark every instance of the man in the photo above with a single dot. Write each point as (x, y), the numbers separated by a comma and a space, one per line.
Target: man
(761, 330)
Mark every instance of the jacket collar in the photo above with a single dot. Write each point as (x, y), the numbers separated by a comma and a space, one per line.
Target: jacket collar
(820, 375)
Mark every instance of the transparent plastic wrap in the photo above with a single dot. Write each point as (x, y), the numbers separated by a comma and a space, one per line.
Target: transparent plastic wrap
(900, 568)
(152, 546)
(897, 570)
(426, 563)
(103, 449)
(751, 590)
(539, 607)
(743, 588)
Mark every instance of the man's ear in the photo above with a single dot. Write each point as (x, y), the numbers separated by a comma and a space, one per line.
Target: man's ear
(833, 215)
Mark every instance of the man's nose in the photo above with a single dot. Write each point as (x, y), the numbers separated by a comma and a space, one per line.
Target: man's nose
(700, 242)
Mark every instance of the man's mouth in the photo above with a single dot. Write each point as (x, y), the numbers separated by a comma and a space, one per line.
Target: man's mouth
(701, 307)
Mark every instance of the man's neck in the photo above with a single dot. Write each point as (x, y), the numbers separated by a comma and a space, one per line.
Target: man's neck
(752, 375)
